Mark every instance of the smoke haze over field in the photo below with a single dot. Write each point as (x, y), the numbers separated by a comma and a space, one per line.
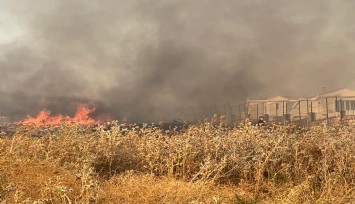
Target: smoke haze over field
(145, 59)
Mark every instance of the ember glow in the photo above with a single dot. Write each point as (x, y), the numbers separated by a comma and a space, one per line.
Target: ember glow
(44, 117)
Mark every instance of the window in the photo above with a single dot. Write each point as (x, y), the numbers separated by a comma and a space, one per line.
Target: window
(346, 105)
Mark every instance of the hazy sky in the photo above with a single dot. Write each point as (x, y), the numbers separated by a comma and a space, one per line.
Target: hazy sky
(145, 59)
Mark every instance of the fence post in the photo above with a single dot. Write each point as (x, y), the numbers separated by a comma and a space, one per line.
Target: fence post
(308, 118)
(336, 104)
(257, 111)
(230, 113)
(246, 113)
(311, 111)
(288, 117)
(286, 108)
(299, 110)
(326, 105)
(276, 112)
(341, 110)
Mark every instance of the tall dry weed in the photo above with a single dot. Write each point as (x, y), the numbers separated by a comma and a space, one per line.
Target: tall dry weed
(74, 164)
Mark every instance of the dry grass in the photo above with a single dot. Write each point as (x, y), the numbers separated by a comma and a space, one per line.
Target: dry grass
(205, 163)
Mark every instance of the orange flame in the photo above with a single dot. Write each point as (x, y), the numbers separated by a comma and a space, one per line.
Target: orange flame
(44, 117)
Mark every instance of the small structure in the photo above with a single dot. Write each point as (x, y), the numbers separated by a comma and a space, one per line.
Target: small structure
(273, 109)
(339, 101)
(305, 108)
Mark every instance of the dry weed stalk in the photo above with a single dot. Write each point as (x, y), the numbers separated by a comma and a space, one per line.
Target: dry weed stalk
(287, 164)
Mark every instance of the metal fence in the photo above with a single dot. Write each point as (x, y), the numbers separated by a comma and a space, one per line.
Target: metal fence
(305, 111)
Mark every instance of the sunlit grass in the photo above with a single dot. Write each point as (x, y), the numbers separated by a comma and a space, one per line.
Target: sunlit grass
(204, 163)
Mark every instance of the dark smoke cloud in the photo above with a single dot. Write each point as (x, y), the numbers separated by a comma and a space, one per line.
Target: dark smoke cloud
(147, 59)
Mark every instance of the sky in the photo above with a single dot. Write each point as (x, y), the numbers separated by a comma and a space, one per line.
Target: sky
(145, 59)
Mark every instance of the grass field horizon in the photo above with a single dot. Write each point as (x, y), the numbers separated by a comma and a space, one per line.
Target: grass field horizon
(202, 163)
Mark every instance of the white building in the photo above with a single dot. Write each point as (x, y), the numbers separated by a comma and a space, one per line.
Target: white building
(274, 108)
(336, 103)
(329, 104)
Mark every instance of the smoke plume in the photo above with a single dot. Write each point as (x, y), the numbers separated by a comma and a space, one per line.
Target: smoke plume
(146, 59)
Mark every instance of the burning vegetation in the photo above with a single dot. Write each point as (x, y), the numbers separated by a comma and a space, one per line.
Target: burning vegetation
(44, 117)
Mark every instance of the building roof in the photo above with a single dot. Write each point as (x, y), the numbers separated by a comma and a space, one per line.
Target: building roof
(273, 99)
(341, 92)
(344, 92)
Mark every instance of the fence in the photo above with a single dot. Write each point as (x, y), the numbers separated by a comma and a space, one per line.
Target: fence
(305, 111)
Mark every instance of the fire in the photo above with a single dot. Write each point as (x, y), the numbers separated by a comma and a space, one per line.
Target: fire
(44, 117)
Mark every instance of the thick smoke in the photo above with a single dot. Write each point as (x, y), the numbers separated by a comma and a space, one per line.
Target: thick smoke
(146, 59)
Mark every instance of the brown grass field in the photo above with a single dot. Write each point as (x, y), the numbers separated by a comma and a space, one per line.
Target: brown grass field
(204, 163)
